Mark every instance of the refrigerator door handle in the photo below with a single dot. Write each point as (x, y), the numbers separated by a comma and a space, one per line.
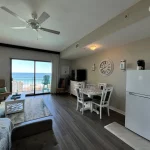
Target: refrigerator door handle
(135, 94)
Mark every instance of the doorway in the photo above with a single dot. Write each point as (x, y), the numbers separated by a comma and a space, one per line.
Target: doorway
(31, 77)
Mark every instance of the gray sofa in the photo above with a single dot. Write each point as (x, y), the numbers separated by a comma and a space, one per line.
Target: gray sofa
(29, 136)
(5, 133)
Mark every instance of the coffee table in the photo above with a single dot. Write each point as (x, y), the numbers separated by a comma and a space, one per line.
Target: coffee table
(14, 106)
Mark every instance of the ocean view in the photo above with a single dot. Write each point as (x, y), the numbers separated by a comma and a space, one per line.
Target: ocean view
(24, 72)
(29, 77)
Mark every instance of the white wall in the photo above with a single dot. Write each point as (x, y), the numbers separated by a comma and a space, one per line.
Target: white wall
(64, 62)
(137, 13)
(7, 53)
(131, 52)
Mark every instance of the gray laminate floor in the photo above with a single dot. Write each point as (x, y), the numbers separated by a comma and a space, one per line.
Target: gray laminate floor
(75, 131)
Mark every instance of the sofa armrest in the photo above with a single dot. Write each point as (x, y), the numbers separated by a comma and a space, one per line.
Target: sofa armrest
(31, 129)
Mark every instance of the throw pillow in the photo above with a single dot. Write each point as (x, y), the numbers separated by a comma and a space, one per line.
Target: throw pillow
(3, 90)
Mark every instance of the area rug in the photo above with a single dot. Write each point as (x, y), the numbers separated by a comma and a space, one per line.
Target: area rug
(34, 108)
(133, 140)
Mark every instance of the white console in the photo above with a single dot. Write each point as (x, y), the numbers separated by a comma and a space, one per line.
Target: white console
(75, 84)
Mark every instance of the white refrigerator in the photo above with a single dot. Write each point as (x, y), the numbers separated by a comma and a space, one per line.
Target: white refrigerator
(137, 117)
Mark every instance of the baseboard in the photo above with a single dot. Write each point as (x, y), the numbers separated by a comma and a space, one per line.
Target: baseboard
(117, 110)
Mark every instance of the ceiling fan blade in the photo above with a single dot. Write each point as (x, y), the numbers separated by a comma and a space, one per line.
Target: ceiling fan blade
(12, 13)
(44, 16)
(51, 31)
(17, 28)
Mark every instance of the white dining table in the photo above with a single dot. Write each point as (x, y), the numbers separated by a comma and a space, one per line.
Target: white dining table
(90, 92)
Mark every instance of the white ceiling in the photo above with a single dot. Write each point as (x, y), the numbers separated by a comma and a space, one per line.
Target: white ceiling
(131, 33)
(73, 18)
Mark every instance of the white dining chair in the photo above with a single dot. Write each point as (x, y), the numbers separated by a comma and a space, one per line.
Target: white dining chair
(103, 101)
(102, 85)
(80, 85)
(81, 99)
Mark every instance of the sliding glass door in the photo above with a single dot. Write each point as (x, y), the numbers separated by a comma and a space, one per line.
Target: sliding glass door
(22, 76)
(31, 77)
(43, 71)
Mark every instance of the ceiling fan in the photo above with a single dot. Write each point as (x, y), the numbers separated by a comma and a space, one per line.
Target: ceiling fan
(34, 23)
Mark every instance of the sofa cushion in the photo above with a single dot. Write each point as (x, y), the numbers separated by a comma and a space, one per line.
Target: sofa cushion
(43, 141)
(2, 110)
(30, 129)
(36, 135)
(3, 139)
(5, 133)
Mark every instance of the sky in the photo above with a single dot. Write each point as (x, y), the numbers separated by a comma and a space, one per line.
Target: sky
(25, 66)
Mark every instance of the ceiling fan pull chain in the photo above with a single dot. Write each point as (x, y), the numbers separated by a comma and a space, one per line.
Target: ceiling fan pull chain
(37, 35)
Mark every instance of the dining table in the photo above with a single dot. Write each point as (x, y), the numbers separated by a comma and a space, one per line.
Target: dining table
(91, 92)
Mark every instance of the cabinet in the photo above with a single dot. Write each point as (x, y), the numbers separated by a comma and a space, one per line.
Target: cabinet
(75, 84)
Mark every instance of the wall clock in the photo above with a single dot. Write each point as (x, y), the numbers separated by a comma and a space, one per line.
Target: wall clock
(106, 67)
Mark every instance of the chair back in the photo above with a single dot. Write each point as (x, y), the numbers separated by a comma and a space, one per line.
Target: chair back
(102, 86)
(46, 80)
(79, 94)
(79, 85)
(90, 86)
(2, 83)
(106, 95)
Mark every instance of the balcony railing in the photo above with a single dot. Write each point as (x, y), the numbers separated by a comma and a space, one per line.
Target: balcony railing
(27, 86)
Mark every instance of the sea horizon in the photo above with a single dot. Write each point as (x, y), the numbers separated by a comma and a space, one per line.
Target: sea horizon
(29, 77)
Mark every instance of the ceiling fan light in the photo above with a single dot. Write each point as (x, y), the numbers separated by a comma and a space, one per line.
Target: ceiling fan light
(93, 48)
(33, 23)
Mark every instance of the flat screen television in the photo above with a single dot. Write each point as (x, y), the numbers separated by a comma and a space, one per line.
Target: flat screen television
(79, 75)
